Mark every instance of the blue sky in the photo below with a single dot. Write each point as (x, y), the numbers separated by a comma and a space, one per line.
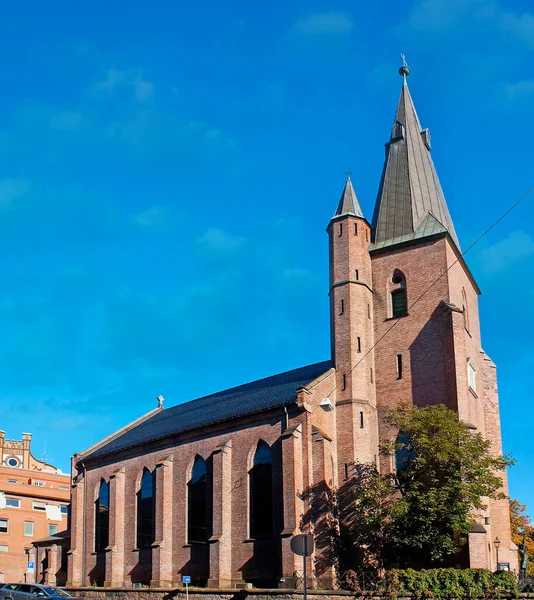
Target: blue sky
(167, 171)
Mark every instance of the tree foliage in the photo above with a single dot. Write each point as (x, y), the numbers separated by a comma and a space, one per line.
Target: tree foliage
(421, 515)
(522, 528)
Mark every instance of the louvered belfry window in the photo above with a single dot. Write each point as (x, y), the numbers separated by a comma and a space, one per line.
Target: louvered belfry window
(398, 303)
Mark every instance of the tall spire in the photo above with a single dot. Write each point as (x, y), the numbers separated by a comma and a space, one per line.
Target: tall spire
(348, 203)
(410, 202)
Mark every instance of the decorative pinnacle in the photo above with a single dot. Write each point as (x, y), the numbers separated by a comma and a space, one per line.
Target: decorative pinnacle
(405, 69)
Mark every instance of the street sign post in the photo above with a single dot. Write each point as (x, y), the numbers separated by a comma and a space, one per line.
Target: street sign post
(186, 579)
(302, 545)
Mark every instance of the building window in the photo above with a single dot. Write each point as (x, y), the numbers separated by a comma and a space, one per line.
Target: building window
(398, 303)
(13, 462)
(355, 228)
(13, 502)
(102, 517)
(65, 489)
(472, 376)
(38, 483)
(342, 307)
(399, 366)
(357, 275)
(371, 374)
(41, 506)
(4, 526)
(359, 344)
(145, 511)
(52, 529)
(344, 382)
(261, 493)
(12, 481)
(361, 420)
(4, 549)
(368, 311)
(28, 528)
(198, 503)
(340, 231)
(64, 510)
(399, 300)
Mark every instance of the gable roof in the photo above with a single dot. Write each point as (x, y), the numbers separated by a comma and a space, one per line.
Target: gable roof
(251, 398)
(409, 190)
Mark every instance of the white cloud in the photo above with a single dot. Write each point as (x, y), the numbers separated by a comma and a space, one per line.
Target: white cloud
(156, 217)
(519, 89)
(323, 24)
(438, 15)
(220, 240)
(130, 79)
(515, 247)
(11, 190)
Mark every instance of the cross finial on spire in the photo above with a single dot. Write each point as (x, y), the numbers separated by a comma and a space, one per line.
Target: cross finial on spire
(349, 173)
(405, 69)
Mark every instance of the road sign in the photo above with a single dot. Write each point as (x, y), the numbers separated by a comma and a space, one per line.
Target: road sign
(186, 579)
(31, 567)
(302, 545)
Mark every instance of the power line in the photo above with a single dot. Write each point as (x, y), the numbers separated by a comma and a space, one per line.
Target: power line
(505, 214)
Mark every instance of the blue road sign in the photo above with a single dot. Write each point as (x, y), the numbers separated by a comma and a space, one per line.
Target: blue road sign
(31, 565)
(186, 579)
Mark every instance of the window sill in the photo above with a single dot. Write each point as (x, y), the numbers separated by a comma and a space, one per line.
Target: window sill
(396, 318)
(473, 392)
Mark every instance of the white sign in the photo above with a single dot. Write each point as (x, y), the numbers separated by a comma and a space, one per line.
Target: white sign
(31, 567)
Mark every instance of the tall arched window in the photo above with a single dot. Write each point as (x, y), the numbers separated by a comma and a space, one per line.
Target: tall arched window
(145, 510)
(466, 309)
(198, 503)
(102, 517)
(261, 493)
(399, 300)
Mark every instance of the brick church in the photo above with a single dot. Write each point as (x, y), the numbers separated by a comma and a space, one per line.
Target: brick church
(215, 488)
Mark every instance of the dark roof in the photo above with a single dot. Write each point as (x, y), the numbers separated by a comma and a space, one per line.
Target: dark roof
(58, 537)
(348, 203)
(257, 396)
(410, 190)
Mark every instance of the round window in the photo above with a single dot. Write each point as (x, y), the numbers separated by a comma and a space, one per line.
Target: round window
(13, 462)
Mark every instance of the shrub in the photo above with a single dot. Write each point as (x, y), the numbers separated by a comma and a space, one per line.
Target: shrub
(448, 584)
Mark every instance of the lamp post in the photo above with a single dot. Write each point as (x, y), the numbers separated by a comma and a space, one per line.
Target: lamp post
(497, 543)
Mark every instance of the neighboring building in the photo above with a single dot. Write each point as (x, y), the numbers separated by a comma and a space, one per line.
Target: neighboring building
(215, 488)
(34, 503)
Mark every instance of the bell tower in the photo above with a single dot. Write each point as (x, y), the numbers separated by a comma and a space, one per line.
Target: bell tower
(352, 333)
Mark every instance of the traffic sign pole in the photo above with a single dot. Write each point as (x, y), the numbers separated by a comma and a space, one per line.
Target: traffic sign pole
(304, 554)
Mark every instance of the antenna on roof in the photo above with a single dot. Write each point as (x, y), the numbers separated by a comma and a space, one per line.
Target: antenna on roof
(160, 400)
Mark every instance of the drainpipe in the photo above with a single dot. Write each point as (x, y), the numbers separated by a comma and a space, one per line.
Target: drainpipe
(84, 524)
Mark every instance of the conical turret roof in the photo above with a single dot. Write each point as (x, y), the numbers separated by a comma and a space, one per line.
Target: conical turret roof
(348, 203)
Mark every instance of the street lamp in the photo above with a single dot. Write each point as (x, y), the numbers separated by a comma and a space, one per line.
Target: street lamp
(497, 543)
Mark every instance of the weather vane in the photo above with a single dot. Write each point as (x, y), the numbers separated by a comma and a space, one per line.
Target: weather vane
(405, 69)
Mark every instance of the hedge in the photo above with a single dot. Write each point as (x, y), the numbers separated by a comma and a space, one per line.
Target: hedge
(446, 584)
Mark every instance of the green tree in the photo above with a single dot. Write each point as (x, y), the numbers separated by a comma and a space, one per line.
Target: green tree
(422, 515)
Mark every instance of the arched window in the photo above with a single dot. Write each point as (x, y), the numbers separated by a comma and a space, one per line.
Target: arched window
(261, 493)
(198, 503)
(145, 511)
(466, 309)
(399, 300)
(102, 517)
